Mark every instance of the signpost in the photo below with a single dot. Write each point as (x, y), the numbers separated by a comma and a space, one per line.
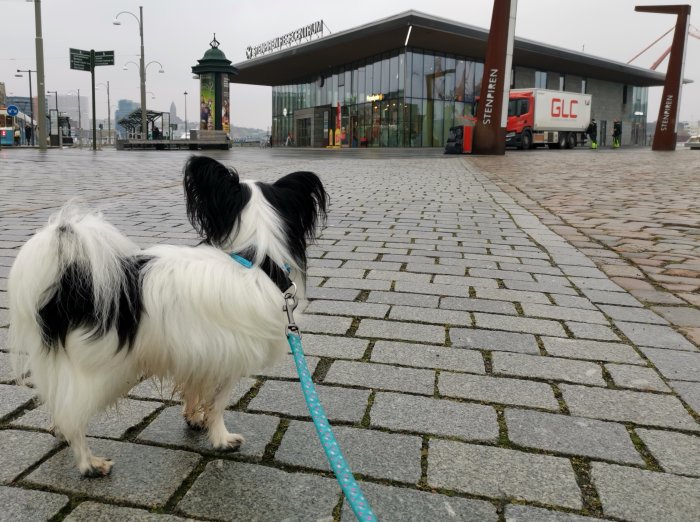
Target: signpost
(81, 60)
(12, 110)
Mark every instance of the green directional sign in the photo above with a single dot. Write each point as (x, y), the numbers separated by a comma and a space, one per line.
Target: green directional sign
(104, 58)
(79, 60)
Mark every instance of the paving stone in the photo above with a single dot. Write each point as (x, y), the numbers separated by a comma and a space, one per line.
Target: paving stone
(402, 298)
(518, 324)
(323, 324)
(7, 374)
(334, 347)
(613, 298)
(142, 475)
(165, 390)
(638, 377)
(498, 390)
(519, 513)
(12, 398)
(3, 338)
(337, 294)
(401, 330)
(286, 368)
(689, 392)
(676, 365)
(434, 416)
(542, 367)
(430, 315)
(170, 429)
(477, 305)
(431, 268)
(628, 406)
(389, 275)
(548, 288)
(501, 294)
(426, 356)
(571, 435)
(368, 452)
(357, 283)
(348, 308)
(392, 504)
(492, 340)
(92, 511)
(595, 284)
(21, 450)
(664, 497)
(591, 350)
(499, 473)
(572, 301)
(461, 290)
(238, 491)
(112, 423)
(631, 314)
(566, 314)
(654, 336)
(286, 398)
(676, 452)
(381, 377)
(592, 331)
(680, 315)
(24, 505)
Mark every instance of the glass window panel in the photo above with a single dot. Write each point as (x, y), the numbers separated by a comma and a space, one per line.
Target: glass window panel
(416, 121)
(449, 119)
(460, 87)
(474, 86)
(407, 74)
(386, 75)
(417, 76)
(393, 75)
(429, 75)
(369, 73)
(428, 108)
(401, 74)
(439, 73)
(438, 123)
(361, 84)
(377, 77)
(348, 87)
(376, 124)
(450, 74)
(334, 95)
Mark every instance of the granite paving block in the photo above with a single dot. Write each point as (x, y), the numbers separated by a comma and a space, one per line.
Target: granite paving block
(572, 301)
(426, 356)
(142, 475)
(500, 274)
(563, 313)
(3, 339)
(591, 350)
(334, 347)
(519, 513)
(337, 294)
(434, 416)
(432, 268)
(646, 496)
(7, 374)
(112, 423)
(637, 377)
(25, 505)
(393, 275)
(21, 450)
(493, 340)
(401, 330)
(632, 314)
(170, 429)
(402, 298)
(165, 390)
(477, 305)
(548, 288)
(371, 453)
(654, 335)
(628, 406)
(93, 511)
(461, 290)
(12, 398)
(501, 294)
(501, 473)
(676, 452)
(286, 398)
(381, 377)
(498, 390)
(286, 368)
(430, 315)
(456, 281)
(357, 283)
(238, 491)
(323, 324)
(571, 435)
(348, 308)
(551, 368)
(518, 324)
(592, 331)
(676, 365)
(595, 284)
(613, 298)
(689, 392)
(395, 504)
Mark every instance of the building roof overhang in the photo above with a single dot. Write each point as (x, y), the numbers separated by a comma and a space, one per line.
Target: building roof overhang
(311, 59)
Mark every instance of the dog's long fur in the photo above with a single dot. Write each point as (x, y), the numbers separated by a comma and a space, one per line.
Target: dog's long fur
(91, 314)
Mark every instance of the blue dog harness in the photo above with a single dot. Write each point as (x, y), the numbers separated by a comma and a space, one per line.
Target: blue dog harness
(351, 489)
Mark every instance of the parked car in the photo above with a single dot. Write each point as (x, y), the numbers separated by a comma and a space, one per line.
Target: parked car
(693, 142)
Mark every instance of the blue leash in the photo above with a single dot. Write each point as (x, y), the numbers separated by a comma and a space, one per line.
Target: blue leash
(353, 492)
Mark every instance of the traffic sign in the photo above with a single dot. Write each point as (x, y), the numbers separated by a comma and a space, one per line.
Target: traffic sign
(79, 60)
(104, 58)
(12, 110)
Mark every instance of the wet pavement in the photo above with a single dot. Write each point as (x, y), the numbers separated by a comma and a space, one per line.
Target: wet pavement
(493, 338)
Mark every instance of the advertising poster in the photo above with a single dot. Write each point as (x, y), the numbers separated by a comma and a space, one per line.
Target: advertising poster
(225, 107)
(207, 101)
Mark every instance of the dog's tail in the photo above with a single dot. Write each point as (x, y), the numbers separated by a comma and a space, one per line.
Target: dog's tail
(77, 272)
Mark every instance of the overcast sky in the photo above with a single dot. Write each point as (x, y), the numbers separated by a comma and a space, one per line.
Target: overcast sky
(178, 32)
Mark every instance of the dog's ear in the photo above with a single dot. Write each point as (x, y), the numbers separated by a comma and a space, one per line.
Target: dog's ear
(303, 201)
(214, 197)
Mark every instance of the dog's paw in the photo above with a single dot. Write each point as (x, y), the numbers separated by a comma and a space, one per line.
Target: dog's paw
(98, 467)
(53, 430)
(230, 442)
(194, 424)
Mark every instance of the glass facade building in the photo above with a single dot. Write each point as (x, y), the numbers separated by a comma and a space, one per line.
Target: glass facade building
(406, 98)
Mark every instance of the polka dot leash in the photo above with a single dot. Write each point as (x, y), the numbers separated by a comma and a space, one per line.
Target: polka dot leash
(340, 467)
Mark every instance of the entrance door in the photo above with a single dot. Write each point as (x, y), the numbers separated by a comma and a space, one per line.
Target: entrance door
(303, 132)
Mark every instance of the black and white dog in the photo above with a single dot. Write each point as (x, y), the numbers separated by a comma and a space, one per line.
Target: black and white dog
(92, 314)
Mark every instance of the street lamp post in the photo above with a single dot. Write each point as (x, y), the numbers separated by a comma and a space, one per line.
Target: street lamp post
(58, 122)
(31, 97)
(109, 116)
(186, 136)
(142, 67)
(40, 94)
(55, 93)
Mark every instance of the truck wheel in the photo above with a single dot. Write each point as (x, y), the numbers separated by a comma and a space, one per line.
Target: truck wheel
(571, 141)
(526, 141)
(563, 140)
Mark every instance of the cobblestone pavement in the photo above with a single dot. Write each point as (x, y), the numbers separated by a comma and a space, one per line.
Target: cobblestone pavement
(476, 364)
(635, 213)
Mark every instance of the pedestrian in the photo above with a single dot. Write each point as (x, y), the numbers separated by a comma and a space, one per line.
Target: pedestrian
(18, 136)
(592, 132)
(617, 134)
(289, 141)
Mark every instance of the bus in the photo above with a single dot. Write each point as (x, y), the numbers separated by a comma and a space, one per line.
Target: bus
(8, 124)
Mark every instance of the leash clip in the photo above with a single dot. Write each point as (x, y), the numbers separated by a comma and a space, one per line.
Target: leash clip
(290, 304)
